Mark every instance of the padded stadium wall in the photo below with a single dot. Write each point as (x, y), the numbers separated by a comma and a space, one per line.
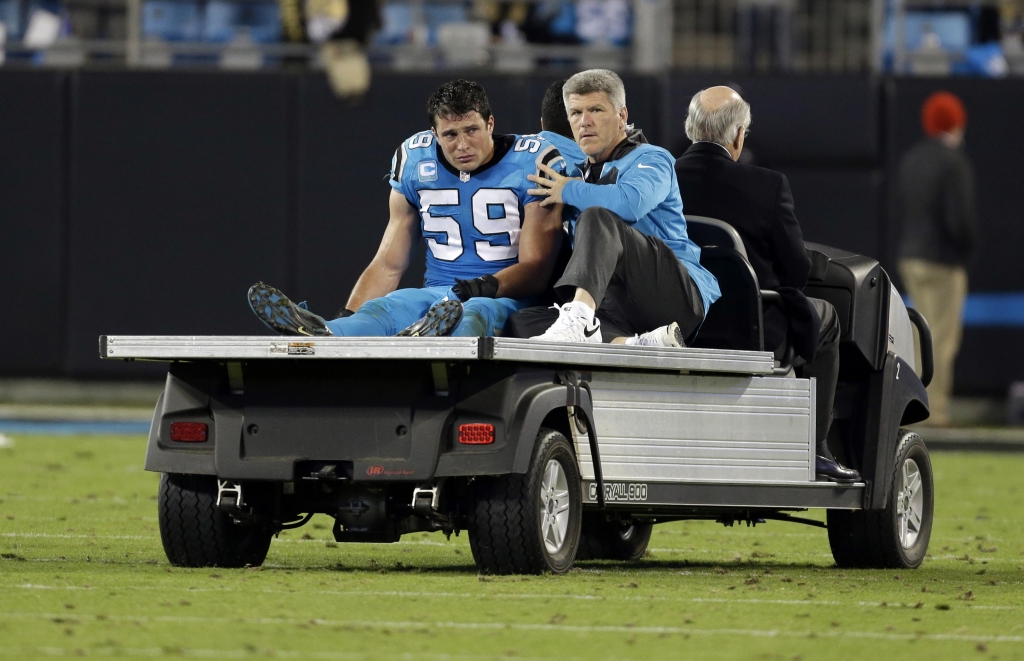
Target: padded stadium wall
(147, 202)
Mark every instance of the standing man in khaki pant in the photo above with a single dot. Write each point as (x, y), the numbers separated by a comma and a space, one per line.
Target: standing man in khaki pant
(935, 200)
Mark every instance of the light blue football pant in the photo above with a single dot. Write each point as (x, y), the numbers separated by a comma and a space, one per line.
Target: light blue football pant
(386, 316)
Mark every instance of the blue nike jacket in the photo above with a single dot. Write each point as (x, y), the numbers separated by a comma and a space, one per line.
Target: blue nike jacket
(638, 183)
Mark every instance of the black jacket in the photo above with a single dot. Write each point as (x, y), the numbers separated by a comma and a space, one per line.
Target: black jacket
(758, 203)
(935, 202)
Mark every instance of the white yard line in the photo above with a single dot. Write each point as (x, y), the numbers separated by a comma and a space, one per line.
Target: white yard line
(814, 602)
(512, 626)
(768, 555)
(771, 555)
(50, 535)
(87, 519)
(689, 551)
(271, 654)
(401, 594)
(155, 537)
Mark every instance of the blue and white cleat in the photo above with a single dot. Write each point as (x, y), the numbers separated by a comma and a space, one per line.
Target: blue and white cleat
(440, 320)
(280, 314)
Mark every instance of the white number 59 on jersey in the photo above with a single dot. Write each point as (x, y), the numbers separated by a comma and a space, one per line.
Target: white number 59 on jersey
(495, 212)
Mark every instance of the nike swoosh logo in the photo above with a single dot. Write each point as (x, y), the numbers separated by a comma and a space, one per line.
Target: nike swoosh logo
(590, 333)
(644, 167)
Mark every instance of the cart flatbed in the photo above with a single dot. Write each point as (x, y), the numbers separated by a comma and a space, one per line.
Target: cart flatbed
(171, 348)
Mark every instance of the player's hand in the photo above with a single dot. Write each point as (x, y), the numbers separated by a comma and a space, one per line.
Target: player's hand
(486, 286)
(550, 186)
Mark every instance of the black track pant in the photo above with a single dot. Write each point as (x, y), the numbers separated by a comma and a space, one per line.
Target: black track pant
(825, 368)
(638, 281)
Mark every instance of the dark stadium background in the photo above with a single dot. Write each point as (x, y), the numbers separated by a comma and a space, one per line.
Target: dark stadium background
(139, 202)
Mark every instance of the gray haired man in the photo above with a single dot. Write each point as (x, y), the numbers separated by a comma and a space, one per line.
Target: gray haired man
(758, 203)
(633, 267)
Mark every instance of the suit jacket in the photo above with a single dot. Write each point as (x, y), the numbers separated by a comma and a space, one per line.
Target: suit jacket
(758, 203)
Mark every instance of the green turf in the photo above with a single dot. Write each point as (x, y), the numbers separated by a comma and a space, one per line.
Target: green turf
(82, 572)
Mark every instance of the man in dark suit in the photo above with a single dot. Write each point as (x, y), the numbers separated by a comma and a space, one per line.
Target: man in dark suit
(758, 203)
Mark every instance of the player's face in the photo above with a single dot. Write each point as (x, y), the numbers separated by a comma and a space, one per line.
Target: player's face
(466, 140)
(596, 125)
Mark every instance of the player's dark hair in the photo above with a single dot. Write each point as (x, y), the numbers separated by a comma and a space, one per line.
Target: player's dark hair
(456, 99)
(552, 111)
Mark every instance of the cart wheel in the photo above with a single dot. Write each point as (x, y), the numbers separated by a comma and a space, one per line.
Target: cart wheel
(897, 536)
(196, 533)
(602, 539)
(529, 524)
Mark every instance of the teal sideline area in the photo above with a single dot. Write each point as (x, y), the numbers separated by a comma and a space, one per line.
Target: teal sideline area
(991, 309)
(74, 427)
(995, 309)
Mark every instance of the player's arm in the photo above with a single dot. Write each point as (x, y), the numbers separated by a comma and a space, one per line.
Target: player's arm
(540, 240)
(539, 244)
(392, 259)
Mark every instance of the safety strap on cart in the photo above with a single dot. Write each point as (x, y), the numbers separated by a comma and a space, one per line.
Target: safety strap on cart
(575, 385)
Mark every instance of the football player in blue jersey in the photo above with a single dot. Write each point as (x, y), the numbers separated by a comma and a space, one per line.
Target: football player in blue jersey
(491, 245)
(555, 127)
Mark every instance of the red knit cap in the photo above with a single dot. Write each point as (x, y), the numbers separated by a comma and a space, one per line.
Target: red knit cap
(942, 112)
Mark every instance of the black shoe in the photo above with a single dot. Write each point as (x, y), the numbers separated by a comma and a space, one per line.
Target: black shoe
(278, 312)
(440, 320)
(830, 470)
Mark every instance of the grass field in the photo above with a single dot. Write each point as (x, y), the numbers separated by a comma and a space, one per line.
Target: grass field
(82, 572)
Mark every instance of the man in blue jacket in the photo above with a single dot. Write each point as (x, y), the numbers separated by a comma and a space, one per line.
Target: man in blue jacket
(632, 259)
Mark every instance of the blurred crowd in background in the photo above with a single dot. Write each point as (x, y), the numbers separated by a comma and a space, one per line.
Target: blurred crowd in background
(918, 37)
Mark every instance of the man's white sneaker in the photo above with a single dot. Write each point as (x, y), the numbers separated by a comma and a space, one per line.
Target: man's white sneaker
(572, 327)
(666, 336)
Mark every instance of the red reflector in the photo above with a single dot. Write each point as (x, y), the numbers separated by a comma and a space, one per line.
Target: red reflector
(476, 434)
(189, 432)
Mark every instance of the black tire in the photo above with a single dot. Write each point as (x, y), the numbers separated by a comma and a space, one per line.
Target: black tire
(872, 538)
(602, 539)
(195, 533)
(506, 521)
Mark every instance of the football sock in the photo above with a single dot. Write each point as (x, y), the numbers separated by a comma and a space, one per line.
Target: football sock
(582, 310)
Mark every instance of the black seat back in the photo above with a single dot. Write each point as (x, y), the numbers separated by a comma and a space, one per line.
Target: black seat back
(706, 231)
(734, 321)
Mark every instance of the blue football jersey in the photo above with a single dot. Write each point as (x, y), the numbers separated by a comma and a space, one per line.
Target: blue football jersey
(570, 151)
(471, 221)
(572, 156)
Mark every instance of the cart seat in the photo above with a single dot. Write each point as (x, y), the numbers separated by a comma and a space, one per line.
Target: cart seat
(735, 321)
